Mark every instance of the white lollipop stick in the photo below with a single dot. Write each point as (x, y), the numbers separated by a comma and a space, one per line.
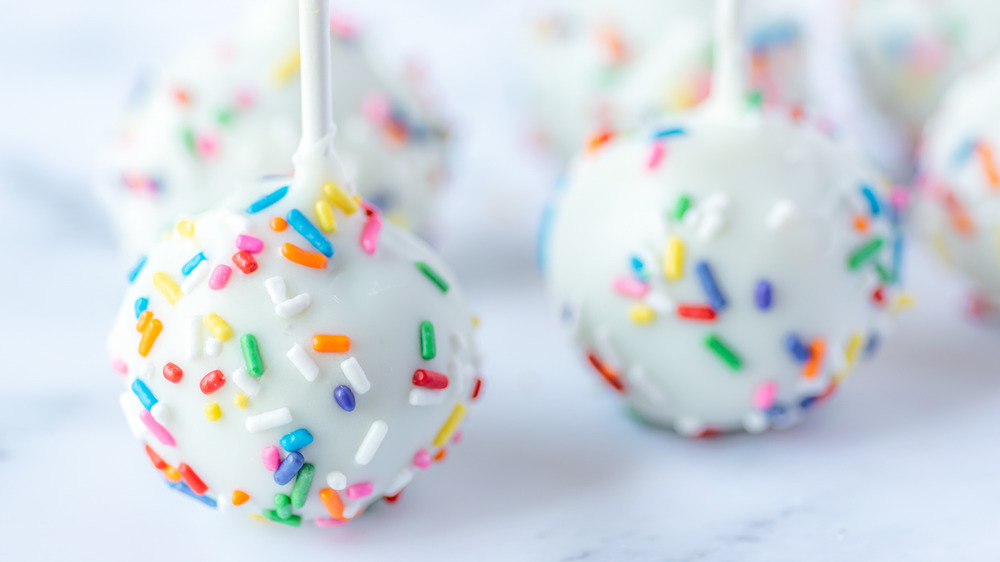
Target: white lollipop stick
(728, 80)
(317, 84)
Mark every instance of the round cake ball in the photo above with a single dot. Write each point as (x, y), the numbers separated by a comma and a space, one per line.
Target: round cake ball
(597, 66)
(958, 203)
(231, 112)
(292, 356)
(723, 274)
(908, 52)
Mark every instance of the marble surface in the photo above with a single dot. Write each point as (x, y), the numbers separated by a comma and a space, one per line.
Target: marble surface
(901, 466)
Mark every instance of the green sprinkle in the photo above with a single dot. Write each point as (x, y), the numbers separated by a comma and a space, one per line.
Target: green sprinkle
(251, 355)
(293, 521)
(428, 347)
(282, 506)
(755, 99)
(225, 116)
(724, 352)
(433, 276)
(883, 273)
(187, 136)
(866, 252)
(681, 209)
(300, 491)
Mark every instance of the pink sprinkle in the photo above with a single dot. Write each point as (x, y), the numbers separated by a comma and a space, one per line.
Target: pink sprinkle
(631, 287)
(358, 491)
(376, 108)
(422, 459)
(369, 236)
(765, 395)
(245, 98)
(342, 26)
(324, 522)
(220, 276)
(656, 155)
(249, 244)
(900, 197)
(208, 145)
(119, 367)
(272, 458)
(457, 438)
(156, 429)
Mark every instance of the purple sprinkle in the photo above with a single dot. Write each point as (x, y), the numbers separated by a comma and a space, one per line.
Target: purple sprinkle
(288, 468)
(800, 351)
(345, 398)
(764, 295)
(708, 283)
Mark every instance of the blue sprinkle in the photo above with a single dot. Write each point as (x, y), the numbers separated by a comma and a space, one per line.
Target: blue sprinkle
(964, 152)
(193, 263)
(669, 132)
(145, 395)
(873, 203)
(800, 351)
(308, 231)
(185, 489)
(296, 440)
(542, 241)
(639, 268)
(871, 348)
(709, 285)
(288, 468)
(764, 295)
(776, 412)
(267, 200)
(897, 259)
(141, 304)
(345, 398)
(136, 270)
(808, 402)
(778, 34)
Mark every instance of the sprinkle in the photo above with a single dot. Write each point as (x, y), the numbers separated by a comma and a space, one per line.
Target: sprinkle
(240, 401)
(874, 207)
(369, 236)
(853, 349)
(297, 255)
(864, 253)
(291, 520)
(192, 479)
(340, 198)
(607, 373)
(171, 474)
(303, 363)
(764, 295)
(245, 382)
(156, 459)
(193, 263)
(765, 396)
(219, 328)
(172, 373)
(371, 442)
(185, 228)
(355, 375)
(213, 412)
(433, 276)
(158, 431)
(641, 314)
(988, 161)
(240, 497)
(266, 201)
(673, 259)
(296, 440)
(422, 397)
(141, 304)
(345, 398)
(324, 343)
(144, 394)
(422, 459)
(708, 283)
(450, 425)
(119, 366)
(669, 132)
(332, 502)
(360, 490)
(293, 306)
(324, 216)
(812, 367)
(628, 287)
(599, 139)
(212, 382)
(478, 388)
(276, 289)
(724, 352)
(249, 244)
(302, 483)
(656, 153)
(861, 224)
(245, 261)
(681, 207)
(251, 355)
(160, 413)
(279, 224)
(428, 345)
(336, 480)
(271, 457)
(429, 379)
(268, 420)
(149, 336)
(696, 312)
(195, 278)
(220, 276)
(781, 215)
(288, 468)
(639, 267)
(799, 350)
(142, 324)
(137, 269)
(167, 287)
(308, 231)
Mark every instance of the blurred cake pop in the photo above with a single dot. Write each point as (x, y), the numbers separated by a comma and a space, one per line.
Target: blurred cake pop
(230, 112)
(724, 269)
(287, 353)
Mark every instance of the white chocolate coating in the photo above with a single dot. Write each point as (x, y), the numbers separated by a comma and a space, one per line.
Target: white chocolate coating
(230, 112)
(958, 203)
(378, 300)
(770, 200)
(601, 65)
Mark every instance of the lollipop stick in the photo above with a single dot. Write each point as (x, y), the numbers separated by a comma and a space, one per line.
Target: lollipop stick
(317, 84)
(728, 81)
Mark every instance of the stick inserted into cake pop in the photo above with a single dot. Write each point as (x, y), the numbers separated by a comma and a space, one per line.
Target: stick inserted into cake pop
(728, 72)
(317, 82)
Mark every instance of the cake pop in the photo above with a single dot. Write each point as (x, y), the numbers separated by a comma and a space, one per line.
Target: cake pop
(289, 353)
(724, 269)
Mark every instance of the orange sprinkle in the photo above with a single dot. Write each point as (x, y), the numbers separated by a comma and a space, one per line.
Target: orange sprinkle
(861, 223)
(279, 224)
(599, 139)
(302, 257)
(440, 455)
(811, 368)
(144, 319)
(157, 459)
(149, 336)
(607, 372)
(332, 502)
(331, 344)
(612, 40)
(960, 220)
(171, 474)
(988, 161)
(240, 497)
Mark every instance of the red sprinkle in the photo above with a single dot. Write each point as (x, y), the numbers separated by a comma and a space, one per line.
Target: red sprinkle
(158, 462)
(609, 375)
(878, 295)
(476, 390)
(172, 372)
(212, 382)
(696, 312)
(430, 379)
(192, 479)
(245, 261)
(393, 499)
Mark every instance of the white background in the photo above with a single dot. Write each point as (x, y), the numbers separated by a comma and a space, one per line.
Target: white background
(903, 465)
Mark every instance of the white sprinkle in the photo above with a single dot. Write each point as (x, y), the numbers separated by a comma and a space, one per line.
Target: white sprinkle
(192, 338)
(782, 215)
(249, 385)
(424, 397)
(292, 306)
(213, 347)
(711, 225)
(130, 407)
(718, 201)
(755, 422)
(160, 413)
(336, 480)
(302, 362)
(660, 303)
(637, 376)
(146, 370)
(195, 278)
(351, 511)
(458, 342)
(355, 375)
(276, 289)
(402, 479)
(371, 443)
(688, 426)
(269, 420)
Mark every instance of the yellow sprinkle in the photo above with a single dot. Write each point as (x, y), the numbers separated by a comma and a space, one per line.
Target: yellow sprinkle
(399, 219)
(218, 327)
(903, 302)
(642, 314)
(673, 259)
(853, 349)
(240, 400)
(288, 68)
(167, 287)
(257, 516)
(940, 246)
(340, 198)
(475, 320)
(450, 426)
(213, 412)
(171, 473)
(324, 216)
(185, 228)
